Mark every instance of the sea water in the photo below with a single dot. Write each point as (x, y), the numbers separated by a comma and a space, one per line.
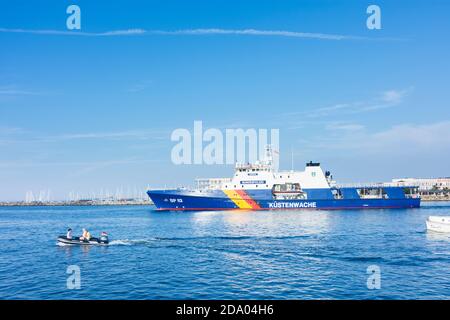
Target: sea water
(224, 255)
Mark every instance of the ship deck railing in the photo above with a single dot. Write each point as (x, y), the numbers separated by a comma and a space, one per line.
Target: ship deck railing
(371, 185)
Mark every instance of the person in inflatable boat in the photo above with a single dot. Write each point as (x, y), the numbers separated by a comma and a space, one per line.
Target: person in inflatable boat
(86, 235)
(69, 234)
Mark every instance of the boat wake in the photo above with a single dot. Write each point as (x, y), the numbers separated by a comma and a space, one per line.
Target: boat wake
(119, 242)
(60, 244)
(443, 253)
(128, 242)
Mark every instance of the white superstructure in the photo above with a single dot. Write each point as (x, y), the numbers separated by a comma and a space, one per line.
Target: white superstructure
(261, 175)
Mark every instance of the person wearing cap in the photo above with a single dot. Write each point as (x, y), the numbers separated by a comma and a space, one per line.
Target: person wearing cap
(69, 234)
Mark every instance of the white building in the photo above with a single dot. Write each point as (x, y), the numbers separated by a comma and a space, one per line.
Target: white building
(424, 184)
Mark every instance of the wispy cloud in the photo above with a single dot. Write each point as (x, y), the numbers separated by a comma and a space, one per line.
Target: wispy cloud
(9, 136)
(133, 134)
(254, 32)
(7, 130)
(410, 136)
(86, 164)
(126, 32)
(17, 93)
(140, 86)
(405, 139)
(12, 90)
(196, 32)
(349, 127)
(394, 96)
(386, 99)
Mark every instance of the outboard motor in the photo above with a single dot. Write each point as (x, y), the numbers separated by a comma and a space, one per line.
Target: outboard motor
(104, 237)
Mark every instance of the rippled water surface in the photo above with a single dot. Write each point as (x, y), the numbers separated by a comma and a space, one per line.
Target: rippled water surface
(224, 255)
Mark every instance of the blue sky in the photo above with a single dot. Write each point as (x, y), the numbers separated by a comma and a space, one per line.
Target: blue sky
(89, 111)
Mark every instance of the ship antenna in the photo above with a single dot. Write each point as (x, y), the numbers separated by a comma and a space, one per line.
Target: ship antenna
(268, 156)
(292, 159)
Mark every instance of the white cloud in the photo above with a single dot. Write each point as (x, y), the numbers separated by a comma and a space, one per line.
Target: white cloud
(386, 99)
(254, 32)
(6, 130)
(85, 164)
(140, 86)
(12, 90)
(425, 136)
(143, 135)
(208, 31)
(134, 134)
(394, 96)
(403, 139)
(17, 92)
(126, 32)
(351, 127)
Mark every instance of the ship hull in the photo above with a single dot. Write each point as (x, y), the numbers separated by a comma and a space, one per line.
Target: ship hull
(173, 200)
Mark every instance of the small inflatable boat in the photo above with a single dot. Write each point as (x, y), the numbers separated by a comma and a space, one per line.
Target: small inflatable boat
(76, 240)
(438, 224)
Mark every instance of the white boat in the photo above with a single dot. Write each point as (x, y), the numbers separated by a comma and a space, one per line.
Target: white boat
(438, 224)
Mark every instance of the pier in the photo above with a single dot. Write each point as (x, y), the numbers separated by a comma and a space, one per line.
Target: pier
(122, 196)
(121, 202)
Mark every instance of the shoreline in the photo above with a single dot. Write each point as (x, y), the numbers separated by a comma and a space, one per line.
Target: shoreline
(75, 204)
(122, 203)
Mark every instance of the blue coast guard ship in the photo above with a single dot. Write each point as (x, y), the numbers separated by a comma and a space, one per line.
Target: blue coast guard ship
(259, 187)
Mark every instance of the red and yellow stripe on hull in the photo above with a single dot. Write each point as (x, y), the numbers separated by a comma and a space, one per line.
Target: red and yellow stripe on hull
(241, 199)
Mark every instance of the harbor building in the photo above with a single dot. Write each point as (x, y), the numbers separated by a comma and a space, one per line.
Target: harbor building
(424, 184)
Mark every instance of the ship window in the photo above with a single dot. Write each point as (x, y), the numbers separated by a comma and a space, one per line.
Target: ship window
(372, 193)
(287, 187)
(313, 174)
(411, 192)
(337, 194)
